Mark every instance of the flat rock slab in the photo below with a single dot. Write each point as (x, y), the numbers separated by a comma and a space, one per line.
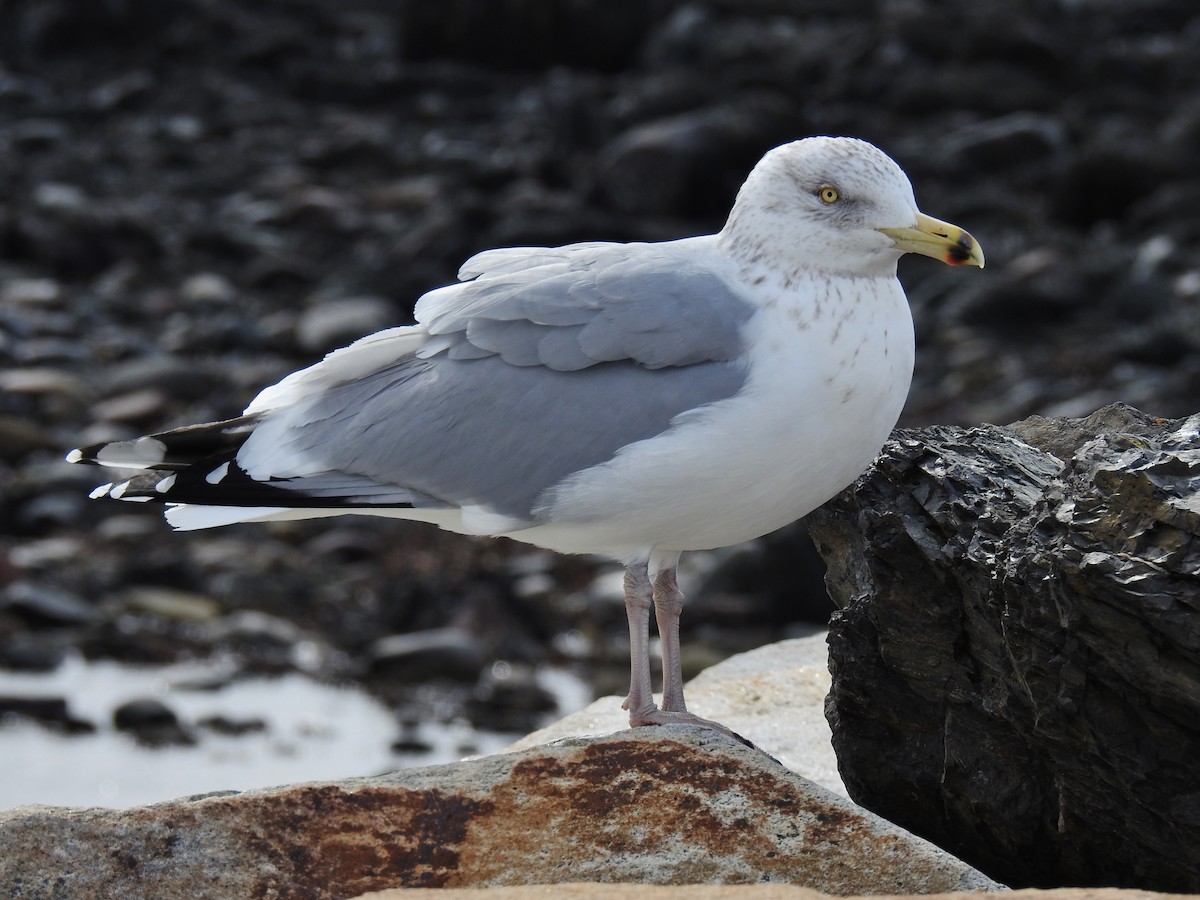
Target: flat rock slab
(671, 805)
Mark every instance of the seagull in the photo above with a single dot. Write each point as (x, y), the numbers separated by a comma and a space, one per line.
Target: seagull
(629, 400)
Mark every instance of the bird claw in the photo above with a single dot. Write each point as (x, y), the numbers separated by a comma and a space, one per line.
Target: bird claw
(656, 716)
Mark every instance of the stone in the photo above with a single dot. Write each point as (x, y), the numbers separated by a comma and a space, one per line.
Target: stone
(450, 653)
(335, 323)
(151, 722)
(170, 603)
(673, 805)
(594, 891)
(774, 696)
(52, 712)
(1016, 657)
(42, 604)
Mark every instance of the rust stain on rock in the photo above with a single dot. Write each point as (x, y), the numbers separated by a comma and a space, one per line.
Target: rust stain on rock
(359, 840)
(671, 812)
(655, 806)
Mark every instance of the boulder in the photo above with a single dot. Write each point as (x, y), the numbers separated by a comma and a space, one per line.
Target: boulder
(652, 805)
(581, 891)
(1016, 658)
(772, 695)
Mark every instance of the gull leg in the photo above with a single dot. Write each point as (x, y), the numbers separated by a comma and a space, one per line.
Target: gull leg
(638, 592)
(668, 602)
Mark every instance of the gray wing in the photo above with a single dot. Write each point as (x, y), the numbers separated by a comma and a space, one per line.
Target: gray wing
(477, 432)
(572, 307)
(530, 375)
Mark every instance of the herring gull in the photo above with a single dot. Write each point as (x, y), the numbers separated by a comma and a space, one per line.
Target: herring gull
(633, 400)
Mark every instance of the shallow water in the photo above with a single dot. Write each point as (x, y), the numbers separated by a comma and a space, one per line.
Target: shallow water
(313, 732)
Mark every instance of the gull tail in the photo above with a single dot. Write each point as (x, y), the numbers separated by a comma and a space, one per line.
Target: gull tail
(195, 472)
(169, 451)
(182, 467)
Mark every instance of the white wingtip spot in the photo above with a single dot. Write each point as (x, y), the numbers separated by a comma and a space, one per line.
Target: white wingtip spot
(215, 476)
(75, 456)
(117, 491)
(101, 491)
(165, 484)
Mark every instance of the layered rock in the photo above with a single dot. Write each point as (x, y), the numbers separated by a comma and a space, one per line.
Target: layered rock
(1016, 659)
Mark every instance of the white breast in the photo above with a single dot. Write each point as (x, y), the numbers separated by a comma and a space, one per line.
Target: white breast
(827, 383)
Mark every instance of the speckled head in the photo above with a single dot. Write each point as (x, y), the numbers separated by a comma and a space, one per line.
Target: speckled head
(836, 205)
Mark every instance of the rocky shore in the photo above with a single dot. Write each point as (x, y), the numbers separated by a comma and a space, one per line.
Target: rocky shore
(198, 197)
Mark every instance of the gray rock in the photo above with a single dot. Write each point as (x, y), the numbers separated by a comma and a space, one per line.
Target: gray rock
(44, 604)
(151, 722)
(52, 712)
(449, 653)
(1016, 660)
(653, 805)
(335, 323)
(773, 696)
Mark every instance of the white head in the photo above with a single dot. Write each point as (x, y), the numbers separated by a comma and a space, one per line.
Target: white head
(836, 205)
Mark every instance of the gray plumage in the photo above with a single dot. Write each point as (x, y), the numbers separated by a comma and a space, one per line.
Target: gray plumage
(584, 305)
(530, 377)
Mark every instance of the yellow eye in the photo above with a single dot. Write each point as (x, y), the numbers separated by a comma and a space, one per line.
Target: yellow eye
(828, 194)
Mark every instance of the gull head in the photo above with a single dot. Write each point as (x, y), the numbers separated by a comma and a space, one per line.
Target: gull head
(839, 206)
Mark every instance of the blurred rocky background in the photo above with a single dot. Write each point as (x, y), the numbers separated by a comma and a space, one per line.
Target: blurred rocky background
(197, 197)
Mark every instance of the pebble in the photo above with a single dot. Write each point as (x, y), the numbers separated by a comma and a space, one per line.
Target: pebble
(43, 604)
(31, 291)
(146, 405)
(40, 381)
(20, 437)
(335, 323)
(223, 725)
(170, 603)
(208, 288)
(152, 723)
(52, 712)
(421, 656)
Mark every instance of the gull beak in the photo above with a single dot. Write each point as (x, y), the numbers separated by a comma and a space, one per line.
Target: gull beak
(938, 239)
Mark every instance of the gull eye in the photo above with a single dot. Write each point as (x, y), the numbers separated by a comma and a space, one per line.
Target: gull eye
(828, 194)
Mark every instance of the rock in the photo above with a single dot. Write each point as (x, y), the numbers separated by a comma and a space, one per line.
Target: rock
(152, 722)
(594, 891)
(654, 805)
(32, 291)
(509, 695)
(336, 323)
(774, 696)
(1016, 660)
(42, 604)
(228, 727)
(170, 603)
(449, 653)
(32, 652)
(513, 34)
(52, 712)
(181, 378)
(146, 405)
(208, 288)
(20, 437)
(40, 382)
(691, 163)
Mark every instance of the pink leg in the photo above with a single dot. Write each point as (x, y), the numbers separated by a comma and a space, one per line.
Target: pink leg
(668, 602)
(640, 701)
